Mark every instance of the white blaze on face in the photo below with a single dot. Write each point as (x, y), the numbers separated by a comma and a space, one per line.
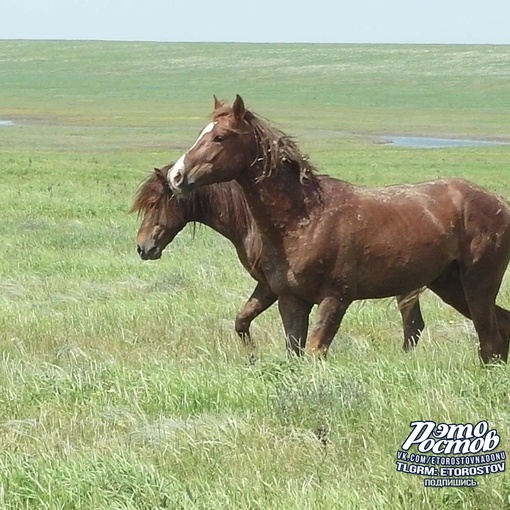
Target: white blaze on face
(176, 169)
(206, 130)
(179, 164)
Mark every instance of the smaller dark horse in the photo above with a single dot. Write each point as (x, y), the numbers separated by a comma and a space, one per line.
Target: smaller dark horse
(328, 242)
(223, 208)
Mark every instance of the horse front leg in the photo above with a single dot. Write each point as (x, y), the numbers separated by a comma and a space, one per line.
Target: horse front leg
(295, 313)
(329, 316)
(260, 300)
(412, 318)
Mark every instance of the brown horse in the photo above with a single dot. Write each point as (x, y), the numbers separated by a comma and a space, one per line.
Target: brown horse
(223, 208)
(328, 242)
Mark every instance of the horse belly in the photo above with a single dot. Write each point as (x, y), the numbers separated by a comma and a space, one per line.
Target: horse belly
(399, 282)
(400, 269)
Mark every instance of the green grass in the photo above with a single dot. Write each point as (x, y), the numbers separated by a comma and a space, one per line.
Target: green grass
(122, 383)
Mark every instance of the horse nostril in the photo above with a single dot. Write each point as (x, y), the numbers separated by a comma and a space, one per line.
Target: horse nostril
(147, 253)
(178, 178)
(152, 251)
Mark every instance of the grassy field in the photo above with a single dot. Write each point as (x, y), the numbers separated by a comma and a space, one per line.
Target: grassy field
(122, 383)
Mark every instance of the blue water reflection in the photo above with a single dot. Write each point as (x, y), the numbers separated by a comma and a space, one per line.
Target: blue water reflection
(422, 142)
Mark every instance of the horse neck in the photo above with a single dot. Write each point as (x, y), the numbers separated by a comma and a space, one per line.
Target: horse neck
(219, 208)
(280, 203)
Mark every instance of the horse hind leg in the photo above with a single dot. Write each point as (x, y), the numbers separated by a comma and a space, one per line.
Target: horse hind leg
(412, 318)
(504, 330)
(485, 257)
(481, 300)
(451, 289)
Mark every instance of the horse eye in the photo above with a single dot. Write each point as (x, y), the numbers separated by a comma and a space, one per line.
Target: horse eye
(218, 139)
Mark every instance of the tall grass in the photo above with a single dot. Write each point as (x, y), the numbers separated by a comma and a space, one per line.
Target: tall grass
(122, 384)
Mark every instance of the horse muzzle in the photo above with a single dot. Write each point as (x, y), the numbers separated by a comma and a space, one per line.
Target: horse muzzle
(180, 185)
(152, 253)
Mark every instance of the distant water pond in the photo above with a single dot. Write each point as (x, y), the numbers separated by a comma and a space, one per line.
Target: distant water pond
(422, 142)
(6, 122)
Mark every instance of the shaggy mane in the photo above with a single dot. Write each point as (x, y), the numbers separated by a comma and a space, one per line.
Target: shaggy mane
(276, 149)
(225, 199)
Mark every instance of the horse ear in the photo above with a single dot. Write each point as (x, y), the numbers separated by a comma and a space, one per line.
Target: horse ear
(217, 103)
(238, 107)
